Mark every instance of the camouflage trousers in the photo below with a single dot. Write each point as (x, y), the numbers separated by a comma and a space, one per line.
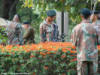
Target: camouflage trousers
(87, 67)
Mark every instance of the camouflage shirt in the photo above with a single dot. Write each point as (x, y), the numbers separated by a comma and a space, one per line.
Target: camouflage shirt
(97, 26)
(48, 32)
(29, 36)
(15, 34)
(84, 37)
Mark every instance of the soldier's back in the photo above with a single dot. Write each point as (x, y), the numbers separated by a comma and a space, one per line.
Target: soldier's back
(87, 42)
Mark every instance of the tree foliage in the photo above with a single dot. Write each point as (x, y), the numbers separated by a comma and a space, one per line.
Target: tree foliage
(8, 8)
(71, 6)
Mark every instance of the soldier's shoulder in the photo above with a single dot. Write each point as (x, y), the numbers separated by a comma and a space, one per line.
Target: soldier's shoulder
(42, 24)
(31, 29)
(77, 27)
(96, 27)
(92, 25)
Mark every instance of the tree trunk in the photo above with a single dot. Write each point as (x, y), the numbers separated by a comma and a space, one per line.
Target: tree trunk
(1, 8)
(12, 10)
(9, 8)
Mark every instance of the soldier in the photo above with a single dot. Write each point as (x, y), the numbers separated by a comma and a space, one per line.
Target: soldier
(96, 16)
(29, 33)
(85, 38)
(14, 32)
(48, 29)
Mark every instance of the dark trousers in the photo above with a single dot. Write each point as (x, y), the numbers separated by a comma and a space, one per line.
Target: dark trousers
(87, 68)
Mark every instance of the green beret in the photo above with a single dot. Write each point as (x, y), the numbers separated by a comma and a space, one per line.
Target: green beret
(51, 13)
(85, 12)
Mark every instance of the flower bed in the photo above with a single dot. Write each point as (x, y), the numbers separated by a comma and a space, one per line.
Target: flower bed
(39, 59)
(48, 46)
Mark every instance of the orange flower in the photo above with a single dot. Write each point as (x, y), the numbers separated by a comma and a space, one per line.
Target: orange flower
(48, 53)
(73, 47)
(45, 67)
(9, 47)
(63, 56)
(64, 50)
(1, 46)
(32, 56)
(75, 59)
(98, 47)
(34, 73)
(63, 74)
(73, 51)
(42, 53)
(48, 46)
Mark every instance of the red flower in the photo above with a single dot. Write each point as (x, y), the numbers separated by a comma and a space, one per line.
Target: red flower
(45, 67)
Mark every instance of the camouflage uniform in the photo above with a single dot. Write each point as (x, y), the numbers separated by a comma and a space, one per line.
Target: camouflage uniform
(15, 34)
(29, 36)
(84, 37)
(48, 32)
(97, 26)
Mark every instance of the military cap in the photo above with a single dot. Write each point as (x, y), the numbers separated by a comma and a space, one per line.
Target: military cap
(26, 22)
(51, 13)
(85, 12)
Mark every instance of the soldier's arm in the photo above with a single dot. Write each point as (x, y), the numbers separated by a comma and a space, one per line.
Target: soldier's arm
(73, 37)
(27, 34)
(76, 35)
(41, 32)
(97, 29)
(98, 38)
(57, 31)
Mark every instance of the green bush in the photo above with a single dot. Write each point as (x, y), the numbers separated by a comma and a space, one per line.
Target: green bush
(3, 35)
(37, 63)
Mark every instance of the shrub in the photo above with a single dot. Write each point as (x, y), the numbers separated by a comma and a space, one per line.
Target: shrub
(41, 59)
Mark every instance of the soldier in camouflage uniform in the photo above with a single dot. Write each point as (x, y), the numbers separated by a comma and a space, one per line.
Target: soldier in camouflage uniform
(85, 38)
(14, 32)
(96, 17)
(48, 29)
(96, 22)
(28, 36)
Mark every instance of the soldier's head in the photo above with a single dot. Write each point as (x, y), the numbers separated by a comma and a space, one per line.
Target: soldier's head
(97, 11)
(51, 15)
(85, 13)
(26, 24)
(98, 14)
(16, 18)
(95, 16)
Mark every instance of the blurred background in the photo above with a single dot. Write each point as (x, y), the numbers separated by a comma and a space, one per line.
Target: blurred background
(34, 11)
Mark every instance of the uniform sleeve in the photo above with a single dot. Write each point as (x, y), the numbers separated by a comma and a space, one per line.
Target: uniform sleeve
(99, 40)
(41, 32)
(98, 34)
(76, 35)
(56, 32)
(73, 37)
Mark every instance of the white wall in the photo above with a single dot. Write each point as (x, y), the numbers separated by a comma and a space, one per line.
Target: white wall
(59, 23)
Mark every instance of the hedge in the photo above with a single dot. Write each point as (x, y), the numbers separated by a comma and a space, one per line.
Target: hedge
(38, 59)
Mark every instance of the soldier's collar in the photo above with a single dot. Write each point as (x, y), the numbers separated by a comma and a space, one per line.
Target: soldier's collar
(47, 23)
(85, 21)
